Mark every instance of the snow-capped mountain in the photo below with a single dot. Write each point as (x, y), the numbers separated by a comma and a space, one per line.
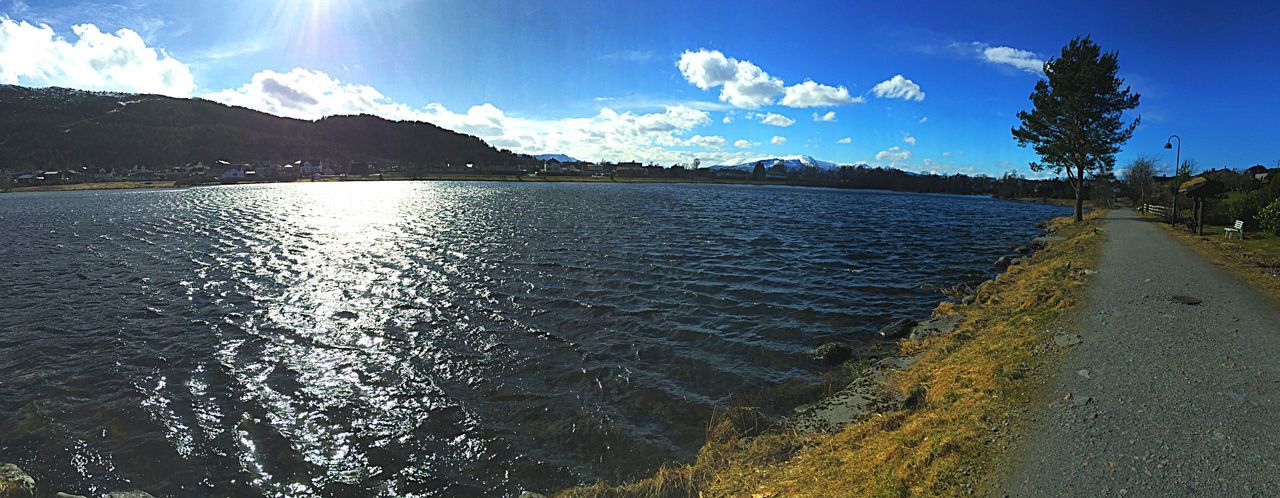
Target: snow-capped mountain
(791, 162)
(559, 157)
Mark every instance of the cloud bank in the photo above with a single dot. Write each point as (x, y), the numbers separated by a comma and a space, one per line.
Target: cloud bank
(36, 56)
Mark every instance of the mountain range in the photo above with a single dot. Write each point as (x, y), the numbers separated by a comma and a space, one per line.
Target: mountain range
(50, 128)
(792, 163)
(557, 157)
(59, 128)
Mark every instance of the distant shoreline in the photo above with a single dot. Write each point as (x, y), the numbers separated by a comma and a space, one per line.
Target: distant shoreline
(429, 178)
(169, 184)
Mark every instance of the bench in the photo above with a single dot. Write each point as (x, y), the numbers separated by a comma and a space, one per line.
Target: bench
(1238, 229)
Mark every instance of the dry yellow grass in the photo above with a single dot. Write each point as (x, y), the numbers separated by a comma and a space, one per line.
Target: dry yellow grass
(965, 397)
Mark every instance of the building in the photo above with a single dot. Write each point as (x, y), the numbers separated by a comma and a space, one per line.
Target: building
(237, 173)
(1257, 172)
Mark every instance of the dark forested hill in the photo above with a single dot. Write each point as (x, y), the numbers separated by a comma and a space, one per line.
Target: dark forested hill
(58, 127)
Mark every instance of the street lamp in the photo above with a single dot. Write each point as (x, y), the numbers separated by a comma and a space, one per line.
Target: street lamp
(1168, 144)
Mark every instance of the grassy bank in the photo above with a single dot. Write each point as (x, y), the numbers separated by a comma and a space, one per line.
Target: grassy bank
(1256, 259)
(964, 400)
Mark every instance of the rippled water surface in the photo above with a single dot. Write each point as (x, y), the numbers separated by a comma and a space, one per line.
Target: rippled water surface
(438, 339)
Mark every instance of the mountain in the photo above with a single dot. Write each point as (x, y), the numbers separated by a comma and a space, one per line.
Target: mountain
(558, 157)
(792, 163)
(59, 127)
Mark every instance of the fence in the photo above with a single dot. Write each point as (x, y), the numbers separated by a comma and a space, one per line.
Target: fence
(1161, 211)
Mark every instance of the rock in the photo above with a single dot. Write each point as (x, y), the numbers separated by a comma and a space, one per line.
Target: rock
(938, 325)
(1017, 261)
(347, 315)
(969, 299)
(1084, 372)
(531, 494)
(128, 494)
(832, 353)
(1188, 300)
(1068, 340)
(1039, 243)
(14, 483)
(1021, 250)
(1003, 262)
(898, 328)
(68, 495)
(1087, 271)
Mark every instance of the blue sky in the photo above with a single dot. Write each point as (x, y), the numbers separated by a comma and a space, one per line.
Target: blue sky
(674, 81)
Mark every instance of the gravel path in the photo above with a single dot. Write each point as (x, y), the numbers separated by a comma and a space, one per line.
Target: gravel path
(1160, 398)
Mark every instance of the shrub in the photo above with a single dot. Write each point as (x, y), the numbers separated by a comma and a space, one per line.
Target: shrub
(1269, 217)
(1235, 206)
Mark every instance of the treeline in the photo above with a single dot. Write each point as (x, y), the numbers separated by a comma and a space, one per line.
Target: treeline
(56, 128)
(1243, 195)
(1008, 186)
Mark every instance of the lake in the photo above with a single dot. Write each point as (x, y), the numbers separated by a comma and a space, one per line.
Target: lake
(440, 338)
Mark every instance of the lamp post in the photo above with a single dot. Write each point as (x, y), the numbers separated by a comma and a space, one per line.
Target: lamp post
(1168, 144)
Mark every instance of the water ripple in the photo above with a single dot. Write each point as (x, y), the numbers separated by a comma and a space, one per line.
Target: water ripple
(438, 339)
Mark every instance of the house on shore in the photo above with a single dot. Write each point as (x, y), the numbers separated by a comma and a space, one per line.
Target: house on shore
(1257, 173)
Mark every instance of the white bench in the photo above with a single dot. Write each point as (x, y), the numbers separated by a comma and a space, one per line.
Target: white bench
(1238, 229)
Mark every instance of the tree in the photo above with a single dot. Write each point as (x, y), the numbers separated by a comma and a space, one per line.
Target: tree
(1181, 175)
(1077, 123)
(1140, 179)
(757, 171)
(1102, 187)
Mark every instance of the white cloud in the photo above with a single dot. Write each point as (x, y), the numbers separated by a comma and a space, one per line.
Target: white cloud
(898, 87)
(36, 56)
(711, 142)
(639, 56)
(742, 83)
(1021, 59)
(777, 120)
(306, 94)
(946, 154)
(810, 94)
(608, 135)
(727, 120)
(776, 140)
(910, 140)
(744, 144)
(828, 117)
(845, 140)
(924, 119)
(894, 154)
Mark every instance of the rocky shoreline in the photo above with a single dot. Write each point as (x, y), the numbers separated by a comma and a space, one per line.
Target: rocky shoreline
(870, 393)
(16, 483)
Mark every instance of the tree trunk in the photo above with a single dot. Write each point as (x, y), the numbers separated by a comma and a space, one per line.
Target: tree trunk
(1079, 195)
